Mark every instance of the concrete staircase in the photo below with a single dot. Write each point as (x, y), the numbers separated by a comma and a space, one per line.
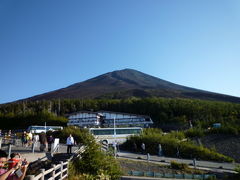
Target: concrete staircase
(61, 157)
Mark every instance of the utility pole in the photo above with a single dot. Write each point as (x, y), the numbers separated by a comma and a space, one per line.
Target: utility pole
(45, 127)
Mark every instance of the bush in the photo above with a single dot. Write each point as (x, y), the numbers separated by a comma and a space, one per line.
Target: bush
(234, 130)
(237, 169)
(171, 146)
(179, 166)
(81, 136)
(194, 132)
(94, 162)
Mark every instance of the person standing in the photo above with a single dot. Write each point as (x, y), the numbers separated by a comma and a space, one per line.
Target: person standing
(29, 138)
(50, 142)
(70, 143)
(43, 141)
(35, 141)
(24, 138)
(143, 148)
(160, 153)
(134, 147)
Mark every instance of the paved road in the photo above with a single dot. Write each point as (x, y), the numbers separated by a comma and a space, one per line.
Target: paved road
(216, 166)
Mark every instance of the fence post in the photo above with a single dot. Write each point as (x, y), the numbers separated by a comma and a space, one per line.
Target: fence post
(61, 175)
(194, 163)
(68, 160)
(42, 171)
(0, 142)
(53, 172)
(148, 157)
(33, 147)
(30, 177)
(9, 150)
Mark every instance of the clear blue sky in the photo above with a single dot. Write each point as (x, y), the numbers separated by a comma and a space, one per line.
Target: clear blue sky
(50, 44)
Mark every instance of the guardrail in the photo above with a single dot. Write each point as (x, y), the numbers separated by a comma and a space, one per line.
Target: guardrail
(104, 146)
(167, 175)
(9, 140)
(59, 171)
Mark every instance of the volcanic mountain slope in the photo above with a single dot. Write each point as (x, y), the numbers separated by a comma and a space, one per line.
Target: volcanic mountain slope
(126, 83)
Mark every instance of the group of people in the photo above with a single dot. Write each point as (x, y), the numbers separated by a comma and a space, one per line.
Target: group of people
(14, 168)
(45, 141)
(29, 139)
(143, 149)
(7, 134)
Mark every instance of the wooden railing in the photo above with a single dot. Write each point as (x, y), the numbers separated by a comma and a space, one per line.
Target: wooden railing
(59, 171)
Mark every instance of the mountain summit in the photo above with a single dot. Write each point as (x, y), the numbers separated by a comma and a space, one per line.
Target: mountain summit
(128, 82)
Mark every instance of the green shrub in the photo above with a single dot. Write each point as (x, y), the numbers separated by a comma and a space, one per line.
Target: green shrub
(212, 178)
(171, 146)
(194, 132)
(228, 129)
(178, 166)
(94, 162)
(81, 136)
(237, 169)
(152, 131)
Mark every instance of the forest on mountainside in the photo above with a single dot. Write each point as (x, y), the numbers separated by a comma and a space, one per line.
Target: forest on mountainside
(163, 111)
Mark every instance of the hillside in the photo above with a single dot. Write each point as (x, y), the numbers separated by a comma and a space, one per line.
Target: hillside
(127, 83)
(228, 145)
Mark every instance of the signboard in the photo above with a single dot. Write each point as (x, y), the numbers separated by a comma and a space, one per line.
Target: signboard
(56, 143)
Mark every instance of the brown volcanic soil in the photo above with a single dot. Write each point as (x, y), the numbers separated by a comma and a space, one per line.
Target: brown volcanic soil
(127, 83)
(228, 145)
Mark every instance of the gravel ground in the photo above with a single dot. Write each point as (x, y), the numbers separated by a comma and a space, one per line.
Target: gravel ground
(228, 145)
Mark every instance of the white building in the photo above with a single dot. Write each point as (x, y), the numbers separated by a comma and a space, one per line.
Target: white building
(106, 119)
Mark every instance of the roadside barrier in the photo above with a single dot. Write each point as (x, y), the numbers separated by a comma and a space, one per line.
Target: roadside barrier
(59, 171)
(167, 175)
(104, 146)
(4, 141)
